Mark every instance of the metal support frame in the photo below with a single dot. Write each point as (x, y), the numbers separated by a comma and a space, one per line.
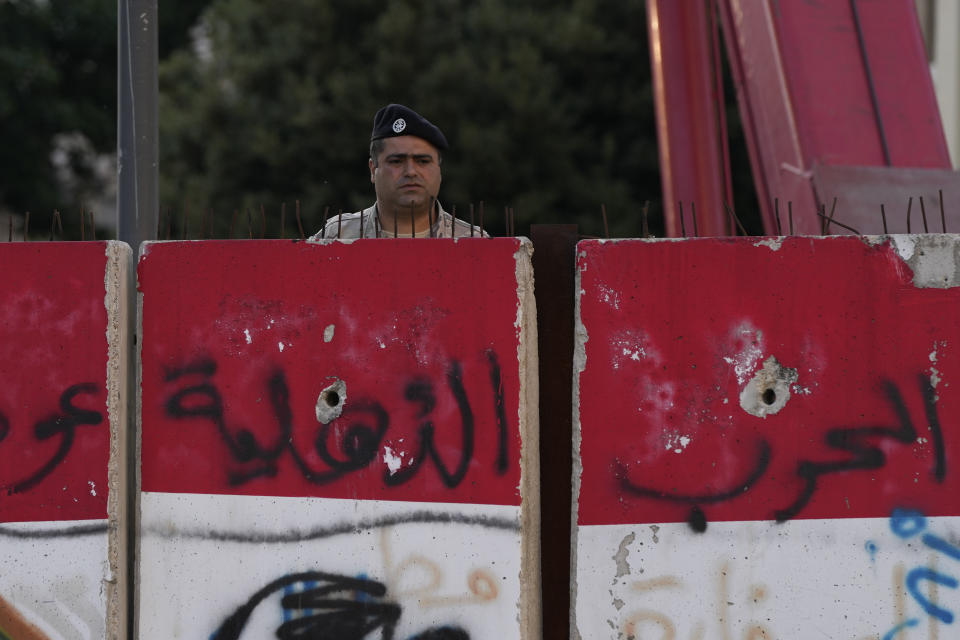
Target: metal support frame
(137, 90)
(691, 125)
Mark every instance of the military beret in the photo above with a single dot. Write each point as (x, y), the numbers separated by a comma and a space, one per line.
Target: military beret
(398, 120)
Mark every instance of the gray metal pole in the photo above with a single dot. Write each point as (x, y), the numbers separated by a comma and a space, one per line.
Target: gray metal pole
(137, 204)
(137, 157)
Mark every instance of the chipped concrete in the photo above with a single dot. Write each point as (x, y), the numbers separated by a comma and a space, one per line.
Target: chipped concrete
(933, 258)
(934, 261)
(529, 607)
(745, 361)
(118, 285)
(331, 400)
(620, 557)
(773, 243)
(767, 393)
(579, 364)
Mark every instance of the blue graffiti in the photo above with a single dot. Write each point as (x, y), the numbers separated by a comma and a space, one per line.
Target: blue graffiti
(923, 573)
(907, 523)
(890, 635)
(871, 548)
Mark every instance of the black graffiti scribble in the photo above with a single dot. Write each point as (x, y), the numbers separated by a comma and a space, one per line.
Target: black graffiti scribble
(330, 607)
(866, 455)
(858, 441)
(357, 445)
(203, 400)
(63, 424)
(695, 517)
(503, 459)
(421, 392)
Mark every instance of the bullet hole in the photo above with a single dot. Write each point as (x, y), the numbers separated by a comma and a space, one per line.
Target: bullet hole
(331, 400)
(769, 390)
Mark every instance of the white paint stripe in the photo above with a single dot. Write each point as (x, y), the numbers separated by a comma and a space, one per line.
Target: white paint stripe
(461, 568)
(842, 578)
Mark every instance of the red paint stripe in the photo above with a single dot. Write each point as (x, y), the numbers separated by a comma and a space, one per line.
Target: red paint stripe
(53, 326)
(225, 410)
(842, 313)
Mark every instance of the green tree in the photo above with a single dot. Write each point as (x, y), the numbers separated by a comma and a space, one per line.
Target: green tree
(57, 103)
(547, 107)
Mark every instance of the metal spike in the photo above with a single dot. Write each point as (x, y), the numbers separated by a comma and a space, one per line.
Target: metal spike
(683, 228)
(736, 219)
(776, 213)
(923, 214)
(693, 214)
(303, 236)
(943, 217)
(883, 216)
(909, 207)
(840, 224)
(606, 227)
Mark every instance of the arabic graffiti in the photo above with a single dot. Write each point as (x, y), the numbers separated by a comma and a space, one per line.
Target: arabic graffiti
(640, 619)
(861, 442)
(62, 424)
(342, 450)
(330, 606)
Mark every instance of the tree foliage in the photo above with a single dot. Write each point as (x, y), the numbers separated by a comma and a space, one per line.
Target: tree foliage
(57, 101)
(547, 106)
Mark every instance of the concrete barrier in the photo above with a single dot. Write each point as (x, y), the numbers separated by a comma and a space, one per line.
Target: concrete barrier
(62, 433)
(338, 439)
(766, 442)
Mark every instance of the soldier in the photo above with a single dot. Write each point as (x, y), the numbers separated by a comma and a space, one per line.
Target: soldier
(404, 167)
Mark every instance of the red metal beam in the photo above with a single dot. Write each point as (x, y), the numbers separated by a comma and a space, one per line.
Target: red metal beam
(841, 83)
(690, 127)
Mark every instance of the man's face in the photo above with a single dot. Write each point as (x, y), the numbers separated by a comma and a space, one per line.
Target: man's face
(407, 173)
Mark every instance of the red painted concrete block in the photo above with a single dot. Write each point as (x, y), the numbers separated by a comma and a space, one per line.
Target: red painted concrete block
(348, 417)
(769, 417)
(62, 419)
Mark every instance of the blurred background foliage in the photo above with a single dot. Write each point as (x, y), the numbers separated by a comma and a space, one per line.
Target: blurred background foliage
(548, 107)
